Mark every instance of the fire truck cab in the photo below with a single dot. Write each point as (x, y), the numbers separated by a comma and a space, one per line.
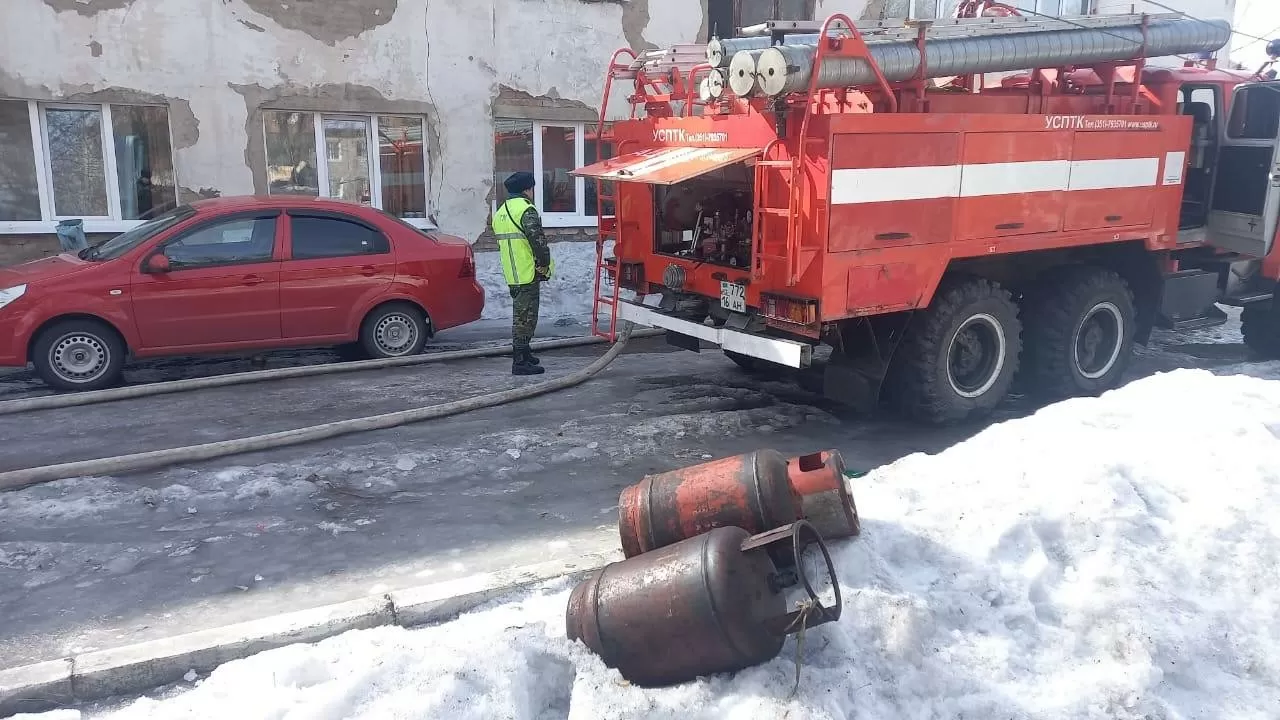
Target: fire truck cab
(933, 242)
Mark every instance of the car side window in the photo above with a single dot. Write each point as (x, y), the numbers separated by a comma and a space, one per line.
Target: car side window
(226, 242)
(326, 237)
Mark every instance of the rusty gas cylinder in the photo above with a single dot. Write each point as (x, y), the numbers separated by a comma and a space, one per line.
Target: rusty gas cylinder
(750, 491)
(825, 499)
(713, 603)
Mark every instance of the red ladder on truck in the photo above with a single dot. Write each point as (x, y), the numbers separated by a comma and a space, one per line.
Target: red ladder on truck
(606, 287)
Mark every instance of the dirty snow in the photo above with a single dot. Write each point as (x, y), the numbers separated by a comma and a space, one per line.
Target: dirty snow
(1112, 558)
(567, 295)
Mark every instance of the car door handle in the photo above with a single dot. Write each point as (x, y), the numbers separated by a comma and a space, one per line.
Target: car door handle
(368, 271)
(254, 279)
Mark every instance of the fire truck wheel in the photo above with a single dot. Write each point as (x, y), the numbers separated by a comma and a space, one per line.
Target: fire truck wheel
(959, 356)
(1260, 325)
(1080, 323)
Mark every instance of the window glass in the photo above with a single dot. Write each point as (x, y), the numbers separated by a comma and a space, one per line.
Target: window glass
(1255, 115)
(403, 160)
(144, 161)
(123, 243)
(291, 153)
(348, 143)
(242, 240)
(19, 195)
(559, 158)
(322, 237)
(78, 171)
(594, 150)
(513, 152)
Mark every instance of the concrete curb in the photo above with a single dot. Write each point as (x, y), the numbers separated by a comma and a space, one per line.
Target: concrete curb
(134, 669)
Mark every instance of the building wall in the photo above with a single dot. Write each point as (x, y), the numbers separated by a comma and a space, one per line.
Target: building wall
(218, 65)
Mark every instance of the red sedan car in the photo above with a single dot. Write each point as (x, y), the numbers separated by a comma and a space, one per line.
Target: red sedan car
(233, 275)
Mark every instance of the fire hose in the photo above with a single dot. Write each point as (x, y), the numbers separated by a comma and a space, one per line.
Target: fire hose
(49, 402)
(134, 462)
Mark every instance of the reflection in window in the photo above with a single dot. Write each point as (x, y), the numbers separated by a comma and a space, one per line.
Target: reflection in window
(76, 164)
(19, 195)
(291, 153)
(558, 160)
(321, 237)
(233, 241)
(513, 152)
(403, 163)
(349, 166)
(144, 161)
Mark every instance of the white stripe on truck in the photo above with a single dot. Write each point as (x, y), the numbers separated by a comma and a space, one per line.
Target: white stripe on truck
(853, 186)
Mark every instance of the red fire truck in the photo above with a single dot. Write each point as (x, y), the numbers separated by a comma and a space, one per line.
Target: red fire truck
(943, 237)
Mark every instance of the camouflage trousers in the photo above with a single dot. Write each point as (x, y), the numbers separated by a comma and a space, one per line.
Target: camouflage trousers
(524, 313)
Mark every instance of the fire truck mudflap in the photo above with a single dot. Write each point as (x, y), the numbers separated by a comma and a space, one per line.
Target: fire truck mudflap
(780, 351)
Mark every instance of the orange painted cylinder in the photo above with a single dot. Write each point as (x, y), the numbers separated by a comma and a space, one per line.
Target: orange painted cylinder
(825, 500)
(750, 491)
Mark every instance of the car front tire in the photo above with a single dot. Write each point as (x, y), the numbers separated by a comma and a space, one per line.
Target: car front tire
(79, 355)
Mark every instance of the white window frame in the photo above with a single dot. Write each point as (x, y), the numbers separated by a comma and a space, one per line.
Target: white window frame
(372, 156)
(579, 219)
(112, 222)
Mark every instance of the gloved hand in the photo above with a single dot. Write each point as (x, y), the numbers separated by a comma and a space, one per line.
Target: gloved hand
(542, 274)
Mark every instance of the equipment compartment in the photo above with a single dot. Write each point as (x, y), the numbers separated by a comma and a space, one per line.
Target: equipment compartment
(708, 218)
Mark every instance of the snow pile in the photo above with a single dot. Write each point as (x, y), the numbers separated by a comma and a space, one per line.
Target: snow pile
(1111, 558)
(568, 294)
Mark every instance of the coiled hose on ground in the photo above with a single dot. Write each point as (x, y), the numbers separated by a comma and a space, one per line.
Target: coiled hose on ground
(134, 462)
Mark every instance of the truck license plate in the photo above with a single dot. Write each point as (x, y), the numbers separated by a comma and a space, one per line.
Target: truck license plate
(733, 296)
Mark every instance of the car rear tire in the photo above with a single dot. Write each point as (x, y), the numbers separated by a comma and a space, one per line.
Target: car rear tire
(79, 355)
(959, 356)
(1260, 325)
(394, 330)
(1080, 323)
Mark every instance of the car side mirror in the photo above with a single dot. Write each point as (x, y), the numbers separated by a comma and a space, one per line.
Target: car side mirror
(157, 264)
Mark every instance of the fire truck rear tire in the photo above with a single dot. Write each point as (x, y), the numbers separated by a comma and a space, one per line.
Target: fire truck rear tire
(1260, 325)
(1080, 324)
(959, 356)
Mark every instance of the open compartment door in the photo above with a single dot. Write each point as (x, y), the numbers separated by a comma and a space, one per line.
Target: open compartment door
(665, 166)
(1246, 193)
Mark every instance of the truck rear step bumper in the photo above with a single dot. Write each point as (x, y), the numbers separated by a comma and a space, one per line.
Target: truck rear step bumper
(775, 350)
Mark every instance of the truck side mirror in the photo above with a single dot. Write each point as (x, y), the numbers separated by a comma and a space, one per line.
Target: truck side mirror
(157, 264)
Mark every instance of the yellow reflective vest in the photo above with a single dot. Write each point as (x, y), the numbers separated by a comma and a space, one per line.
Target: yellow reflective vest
(516, 250)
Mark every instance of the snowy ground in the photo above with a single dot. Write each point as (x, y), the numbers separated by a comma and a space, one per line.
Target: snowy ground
(1110, 558)
(102, 562)
(569, 293)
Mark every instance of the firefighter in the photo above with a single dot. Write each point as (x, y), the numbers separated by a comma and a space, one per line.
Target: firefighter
(526, 264)
(1268, 69)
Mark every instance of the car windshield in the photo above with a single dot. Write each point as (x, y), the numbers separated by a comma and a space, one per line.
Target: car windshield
(121, 244)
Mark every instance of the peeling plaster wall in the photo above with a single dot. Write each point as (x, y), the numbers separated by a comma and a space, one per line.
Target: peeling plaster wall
(218, 63)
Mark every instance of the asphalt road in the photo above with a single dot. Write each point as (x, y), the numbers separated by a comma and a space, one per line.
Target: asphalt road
(100, 562)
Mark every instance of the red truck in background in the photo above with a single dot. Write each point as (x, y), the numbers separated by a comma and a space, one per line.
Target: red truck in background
(942, 237)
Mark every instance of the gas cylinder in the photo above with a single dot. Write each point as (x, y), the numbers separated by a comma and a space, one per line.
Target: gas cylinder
(825, 500)
(750, 491)
(714, 603)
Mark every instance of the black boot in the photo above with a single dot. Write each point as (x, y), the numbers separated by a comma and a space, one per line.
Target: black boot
(529, 358)
(520, 364)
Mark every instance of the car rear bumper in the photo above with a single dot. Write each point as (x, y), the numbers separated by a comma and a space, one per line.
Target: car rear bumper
(465, 305)
(775, 350)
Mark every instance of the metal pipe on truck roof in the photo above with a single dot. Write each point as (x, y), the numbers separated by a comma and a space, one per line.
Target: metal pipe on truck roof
(787, 68)
(743, 72)
(721, 51)
(711, 87)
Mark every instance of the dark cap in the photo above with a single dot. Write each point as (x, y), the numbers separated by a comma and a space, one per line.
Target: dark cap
(519, 182)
